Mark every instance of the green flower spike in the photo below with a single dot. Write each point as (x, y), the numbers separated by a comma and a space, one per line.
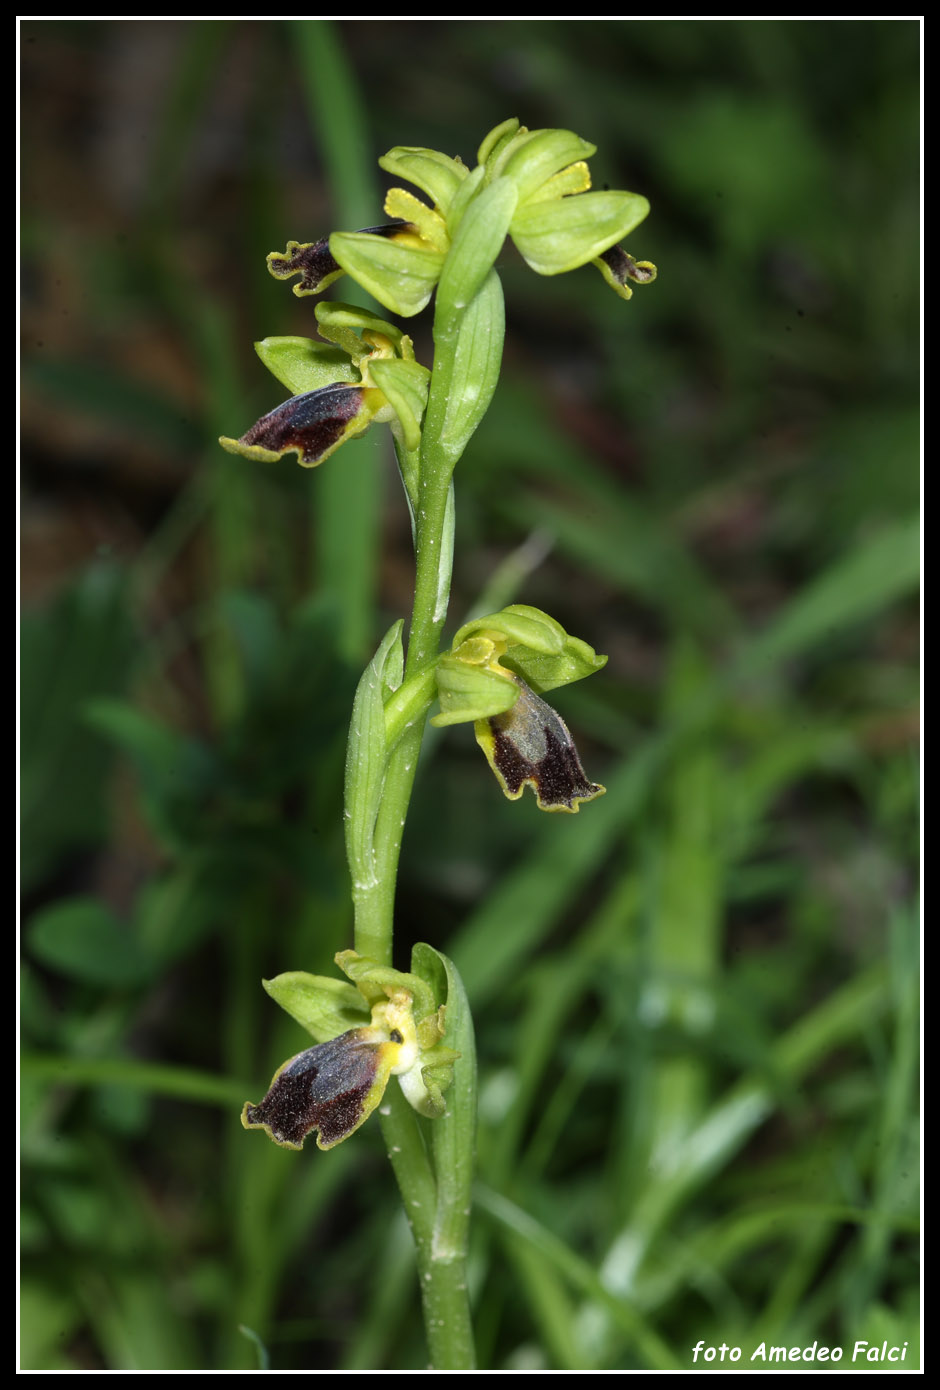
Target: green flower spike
(333, 1088)
(368, 374)
(485, 678)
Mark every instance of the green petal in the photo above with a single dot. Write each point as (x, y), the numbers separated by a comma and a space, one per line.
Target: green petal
(558, 236)
(343, 323)
(379, 982)
(400, 276)
(405, 386)
(302, 365)
(429, 222)
(529, 745)
(532, 159)
(434, 173)
(576, 178)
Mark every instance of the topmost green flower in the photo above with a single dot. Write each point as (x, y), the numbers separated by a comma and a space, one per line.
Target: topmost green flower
(532, 182)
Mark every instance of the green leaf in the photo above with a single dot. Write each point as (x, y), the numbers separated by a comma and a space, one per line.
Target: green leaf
(477, 243)
(80, 938)
(302, 365)
(400, 276)
(436, 174)
(879, 571)
(321, 1004)
(405, 387)
(558, 236)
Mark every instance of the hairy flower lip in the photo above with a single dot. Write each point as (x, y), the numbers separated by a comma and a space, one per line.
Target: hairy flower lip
(311, 425)
(530, 745)
(314, 263)
(331, 1088)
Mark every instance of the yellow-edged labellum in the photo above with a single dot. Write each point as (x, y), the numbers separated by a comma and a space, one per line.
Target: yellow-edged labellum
(530, 745)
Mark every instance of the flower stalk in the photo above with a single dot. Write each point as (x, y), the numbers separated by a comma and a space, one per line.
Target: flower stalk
(385, 1027)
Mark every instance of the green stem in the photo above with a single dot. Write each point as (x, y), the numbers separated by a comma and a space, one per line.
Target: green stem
(432, 1160)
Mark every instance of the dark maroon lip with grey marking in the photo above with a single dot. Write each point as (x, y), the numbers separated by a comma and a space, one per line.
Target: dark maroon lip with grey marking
(323, 1088)
(311, 423)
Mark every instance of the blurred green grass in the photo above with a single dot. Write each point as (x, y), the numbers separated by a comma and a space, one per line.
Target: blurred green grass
(696, 1003)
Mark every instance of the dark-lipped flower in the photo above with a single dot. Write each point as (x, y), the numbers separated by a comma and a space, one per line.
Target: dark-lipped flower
(532, 185)
(332, 1088)
(365, 372)
(487, 678)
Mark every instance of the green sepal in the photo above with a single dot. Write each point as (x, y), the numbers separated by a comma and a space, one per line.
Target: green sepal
(530, 160)
(520, 624)
(343, 323)
(375, 982)
(548, 672)
(436, 174)
(498, 138)
(367, 756)
(526, 641)
(324, 1006)
(554, 237)
(405, 387)
(477, 243)
(469, 692)
(400, 274)
(302, 365)
(429, 222)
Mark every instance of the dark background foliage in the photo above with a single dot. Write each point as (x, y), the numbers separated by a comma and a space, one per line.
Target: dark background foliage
(696, 1002)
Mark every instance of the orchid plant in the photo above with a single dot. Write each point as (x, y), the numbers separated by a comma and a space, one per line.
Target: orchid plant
(533, 186)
